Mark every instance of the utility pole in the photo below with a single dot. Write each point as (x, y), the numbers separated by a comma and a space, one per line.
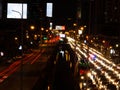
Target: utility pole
(21, 86)
(21, 46)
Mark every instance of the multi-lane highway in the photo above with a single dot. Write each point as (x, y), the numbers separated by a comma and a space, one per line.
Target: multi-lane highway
(103, 74)
(22, 74)
(46, 68)
(59, 67)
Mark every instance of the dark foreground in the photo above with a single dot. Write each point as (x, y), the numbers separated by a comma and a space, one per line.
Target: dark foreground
(59, 71)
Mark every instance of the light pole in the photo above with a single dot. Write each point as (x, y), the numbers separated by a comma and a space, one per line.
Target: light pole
(21, 47)
(21, 16)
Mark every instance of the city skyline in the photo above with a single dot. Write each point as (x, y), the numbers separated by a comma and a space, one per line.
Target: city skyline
(94, 14)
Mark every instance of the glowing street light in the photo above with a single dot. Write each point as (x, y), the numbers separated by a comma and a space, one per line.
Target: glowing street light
(42, 28)
(21, 15)
(32, 27)
(74, 24)
(82, 28)
(80, 32)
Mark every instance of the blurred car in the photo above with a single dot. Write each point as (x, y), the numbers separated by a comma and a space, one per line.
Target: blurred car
(83, 67)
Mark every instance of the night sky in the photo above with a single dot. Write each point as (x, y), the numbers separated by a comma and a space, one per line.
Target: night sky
(64, 9)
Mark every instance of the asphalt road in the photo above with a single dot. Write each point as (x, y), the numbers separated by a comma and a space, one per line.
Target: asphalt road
(25, 77)
(48, 70)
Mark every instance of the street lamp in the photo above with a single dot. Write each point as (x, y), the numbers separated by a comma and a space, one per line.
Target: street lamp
(21, 47)
(32, 27)
(21, 15)
(82, 28)
(80, 32)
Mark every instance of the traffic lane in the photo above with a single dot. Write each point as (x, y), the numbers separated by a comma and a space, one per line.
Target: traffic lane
(30, 74)
(25, 79)
(45, 82)
(31, 58)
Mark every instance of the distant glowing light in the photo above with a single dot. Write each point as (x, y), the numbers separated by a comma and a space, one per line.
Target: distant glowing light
(103, 41)
(85, 41)
(31, 42)
(27, 36)
(20, 47)
(48, 87)
(82, 77)
(32, 27)
(1, 54)
(80, 32)
(84, 84)
(62, 52)
(16, 38)
(112, 51)
(117, 45)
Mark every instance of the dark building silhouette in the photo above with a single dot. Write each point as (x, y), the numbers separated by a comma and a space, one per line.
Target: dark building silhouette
(83, 12)
(112, 17)
(106, 18)
(64, 12)
(100, 16)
